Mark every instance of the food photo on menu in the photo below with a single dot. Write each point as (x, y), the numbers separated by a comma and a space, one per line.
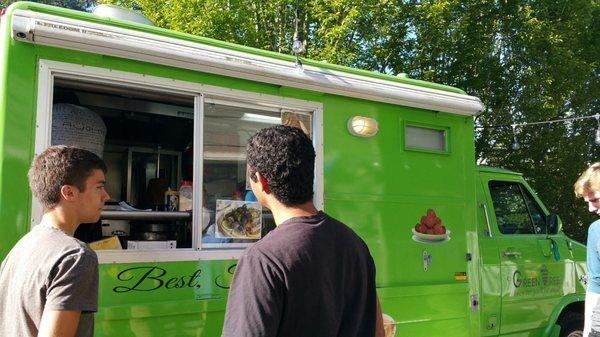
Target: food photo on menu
(238, 219)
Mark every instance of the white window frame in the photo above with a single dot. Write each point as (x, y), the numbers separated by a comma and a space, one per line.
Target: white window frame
(49, 69)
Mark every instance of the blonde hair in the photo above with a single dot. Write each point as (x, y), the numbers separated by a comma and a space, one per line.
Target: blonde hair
(588, 181)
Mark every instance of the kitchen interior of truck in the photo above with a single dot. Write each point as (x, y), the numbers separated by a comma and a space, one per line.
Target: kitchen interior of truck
(148, 139)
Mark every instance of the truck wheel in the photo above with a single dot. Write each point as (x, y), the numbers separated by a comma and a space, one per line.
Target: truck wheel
(571, 325)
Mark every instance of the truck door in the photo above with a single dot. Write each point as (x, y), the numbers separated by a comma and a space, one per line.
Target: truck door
(531, 273)
(490, 300)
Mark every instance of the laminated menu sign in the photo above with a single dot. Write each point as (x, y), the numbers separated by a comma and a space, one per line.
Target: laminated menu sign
(108, 243)
(77, 126)
(238, 219)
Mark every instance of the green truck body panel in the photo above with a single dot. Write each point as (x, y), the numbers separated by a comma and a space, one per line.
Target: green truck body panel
(378, 186)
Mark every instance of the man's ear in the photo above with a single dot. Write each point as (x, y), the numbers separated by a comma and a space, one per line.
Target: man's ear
(68, 192)
(262, 182)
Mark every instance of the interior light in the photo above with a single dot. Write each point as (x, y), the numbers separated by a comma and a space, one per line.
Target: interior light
(249, 117)
(363, 126)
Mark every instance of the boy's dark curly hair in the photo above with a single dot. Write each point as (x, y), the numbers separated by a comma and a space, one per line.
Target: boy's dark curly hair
(285, 156)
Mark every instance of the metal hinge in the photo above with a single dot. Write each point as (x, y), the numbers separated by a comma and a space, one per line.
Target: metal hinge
(426, 260)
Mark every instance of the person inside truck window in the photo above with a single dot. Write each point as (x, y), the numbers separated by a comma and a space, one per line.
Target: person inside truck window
(311, 275)
(49, 280)
(587, 187)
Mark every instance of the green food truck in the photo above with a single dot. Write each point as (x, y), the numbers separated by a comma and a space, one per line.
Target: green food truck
(460, 250)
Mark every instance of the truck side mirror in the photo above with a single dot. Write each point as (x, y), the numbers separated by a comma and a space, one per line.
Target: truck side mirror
(554, 224)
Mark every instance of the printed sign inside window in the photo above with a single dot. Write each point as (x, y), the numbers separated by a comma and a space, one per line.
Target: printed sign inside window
(238, 220)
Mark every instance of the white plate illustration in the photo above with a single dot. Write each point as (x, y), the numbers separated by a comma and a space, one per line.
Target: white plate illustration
(431, 237)
(418, 239)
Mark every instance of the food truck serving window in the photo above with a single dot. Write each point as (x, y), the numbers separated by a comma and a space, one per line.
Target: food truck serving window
(176, 162)
(231, 215)
(144, 137)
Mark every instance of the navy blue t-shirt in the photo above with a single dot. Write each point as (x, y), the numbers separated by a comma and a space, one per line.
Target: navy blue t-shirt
(310, 276)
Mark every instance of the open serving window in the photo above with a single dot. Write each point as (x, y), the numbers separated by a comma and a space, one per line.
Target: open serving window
(176, 159)
(231, 215)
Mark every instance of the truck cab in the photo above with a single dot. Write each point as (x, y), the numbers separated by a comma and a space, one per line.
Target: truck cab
(532, 274)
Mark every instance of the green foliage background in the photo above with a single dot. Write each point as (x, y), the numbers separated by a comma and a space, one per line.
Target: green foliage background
(528, 60)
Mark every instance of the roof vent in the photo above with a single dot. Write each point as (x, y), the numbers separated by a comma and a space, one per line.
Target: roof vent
(116, 12)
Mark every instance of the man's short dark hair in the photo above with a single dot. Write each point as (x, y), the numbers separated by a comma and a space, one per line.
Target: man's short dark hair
(285, 156)
(61, 165)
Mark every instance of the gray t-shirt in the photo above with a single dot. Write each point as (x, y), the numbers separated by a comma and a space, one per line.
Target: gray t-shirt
(47, 269)
(309, 277)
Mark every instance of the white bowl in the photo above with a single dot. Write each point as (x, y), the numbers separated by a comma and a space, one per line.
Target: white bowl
(431, 237)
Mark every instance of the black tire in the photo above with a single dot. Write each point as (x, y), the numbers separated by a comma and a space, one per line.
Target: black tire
(571, 324)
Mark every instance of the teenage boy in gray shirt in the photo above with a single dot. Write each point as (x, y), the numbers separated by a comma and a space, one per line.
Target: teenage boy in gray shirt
(310, 276)
(49, 280)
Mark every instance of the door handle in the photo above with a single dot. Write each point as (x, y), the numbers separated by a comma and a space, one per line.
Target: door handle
(511, 253)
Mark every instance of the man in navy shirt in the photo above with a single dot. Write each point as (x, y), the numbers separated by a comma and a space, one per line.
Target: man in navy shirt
(310, 276)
